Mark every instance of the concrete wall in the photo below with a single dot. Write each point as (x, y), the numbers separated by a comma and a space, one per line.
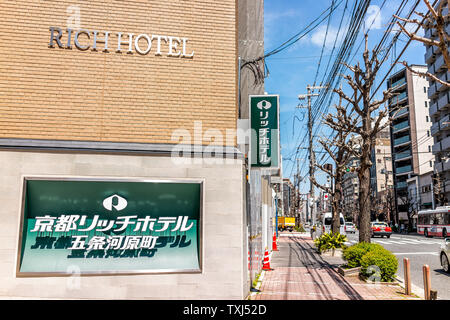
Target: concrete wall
(224, 274)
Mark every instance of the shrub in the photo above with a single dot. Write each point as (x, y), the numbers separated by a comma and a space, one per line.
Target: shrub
(384, 260)
(353, 254)
(330, 241)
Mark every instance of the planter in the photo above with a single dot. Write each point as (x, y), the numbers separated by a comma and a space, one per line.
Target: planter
(352, 272)
(332, 253)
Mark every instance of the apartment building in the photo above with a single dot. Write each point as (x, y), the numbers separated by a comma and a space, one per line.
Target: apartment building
(411, 139)
(439, 111)
(381, 177)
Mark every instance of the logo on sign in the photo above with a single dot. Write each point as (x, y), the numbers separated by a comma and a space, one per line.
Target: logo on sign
(116, 202)
(266, 105)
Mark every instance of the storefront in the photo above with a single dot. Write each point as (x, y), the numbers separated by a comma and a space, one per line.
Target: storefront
(121, 177)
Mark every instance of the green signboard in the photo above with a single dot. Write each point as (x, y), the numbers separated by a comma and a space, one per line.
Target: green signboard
(264, 123)
(109, 226)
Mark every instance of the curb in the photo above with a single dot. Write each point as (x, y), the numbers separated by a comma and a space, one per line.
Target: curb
(260, 280)
(418, 291)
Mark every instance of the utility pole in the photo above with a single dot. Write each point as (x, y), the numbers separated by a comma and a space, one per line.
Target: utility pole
(309, 96)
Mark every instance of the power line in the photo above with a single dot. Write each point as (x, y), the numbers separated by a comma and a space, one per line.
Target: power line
(395, 38)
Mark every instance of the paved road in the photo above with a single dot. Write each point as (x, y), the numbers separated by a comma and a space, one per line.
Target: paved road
(420, 251)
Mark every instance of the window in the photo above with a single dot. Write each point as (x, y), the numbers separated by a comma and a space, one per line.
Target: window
(428, 118)
(424, 89)
(431, 164)
(429, 148)
(426, 104)
(428, 133)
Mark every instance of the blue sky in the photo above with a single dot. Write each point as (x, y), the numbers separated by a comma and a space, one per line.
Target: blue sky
(291, 70)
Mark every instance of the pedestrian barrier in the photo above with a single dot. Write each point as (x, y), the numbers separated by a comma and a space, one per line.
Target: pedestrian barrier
(266, 263)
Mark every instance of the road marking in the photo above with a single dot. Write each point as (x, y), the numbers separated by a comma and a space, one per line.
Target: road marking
(412, 241)
(408, 253)
(381, 241)
(402, 242)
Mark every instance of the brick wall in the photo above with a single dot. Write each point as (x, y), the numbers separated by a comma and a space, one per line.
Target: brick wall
(69, 94)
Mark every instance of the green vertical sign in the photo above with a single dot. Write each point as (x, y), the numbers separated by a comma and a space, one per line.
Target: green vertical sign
(109, 226)
(264, 123)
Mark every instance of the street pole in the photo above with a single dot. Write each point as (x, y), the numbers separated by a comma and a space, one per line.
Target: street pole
(309, 96)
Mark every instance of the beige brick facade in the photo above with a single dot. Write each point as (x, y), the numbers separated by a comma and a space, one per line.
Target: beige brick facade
(70, 94)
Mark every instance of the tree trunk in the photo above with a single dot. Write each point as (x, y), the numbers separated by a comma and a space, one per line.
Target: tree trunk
(364, 203)
(336, 221)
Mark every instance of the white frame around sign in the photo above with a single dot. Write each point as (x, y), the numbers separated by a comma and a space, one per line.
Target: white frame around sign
(250, 126)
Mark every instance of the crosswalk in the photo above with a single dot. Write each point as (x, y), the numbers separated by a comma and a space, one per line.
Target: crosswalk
(402, 241)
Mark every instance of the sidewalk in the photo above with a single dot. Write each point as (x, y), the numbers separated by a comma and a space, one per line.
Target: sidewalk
(300, 273)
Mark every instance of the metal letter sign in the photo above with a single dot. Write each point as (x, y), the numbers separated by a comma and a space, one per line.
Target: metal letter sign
(107, 226)
(264, 121)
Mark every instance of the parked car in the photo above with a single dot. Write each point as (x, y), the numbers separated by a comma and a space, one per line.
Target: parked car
(444, 255)
(350, 227)
(380, 229)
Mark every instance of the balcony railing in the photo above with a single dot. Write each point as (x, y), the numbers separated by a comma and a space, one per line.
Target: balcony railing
(404, 169)
(431, 69)
(444, 77)
(433, 108)
(435, 128)
(445, 144)
(402, 140)
(436, 147)
(398, 98)
(430, 53)
(444, 123)
(400, 126)
(432, 91)
(399, 113)
(443, 101)
(398, 83)
(403, 155)
(440, 63)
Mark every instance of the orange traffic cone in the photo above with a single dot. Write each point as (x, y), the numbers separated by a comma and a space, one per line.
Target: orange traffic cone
(266, 263)
(274, 244)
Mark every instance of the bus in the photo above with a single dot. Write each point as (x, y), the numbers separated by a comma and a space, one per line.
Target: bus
(434, 222)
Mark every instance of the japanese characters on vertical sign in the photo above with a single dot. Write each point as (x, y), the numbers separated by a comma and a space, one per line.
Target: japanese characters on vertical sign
(264, 122)
(110, 226)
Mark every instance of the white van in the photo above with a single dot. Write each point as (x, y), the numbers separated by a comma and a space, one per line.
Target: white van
(326, 221)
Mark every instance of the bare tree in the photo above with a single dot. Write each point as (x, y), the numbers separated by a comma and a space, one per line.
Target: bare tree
(340, 157)
(367, 122)
(438, 190)
(435, 20)
(410, 203)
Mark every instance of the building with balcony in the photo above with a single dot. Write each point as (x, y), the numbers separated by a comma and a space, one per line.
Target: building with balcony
(410, 132)
(381, 177)
(439, 96)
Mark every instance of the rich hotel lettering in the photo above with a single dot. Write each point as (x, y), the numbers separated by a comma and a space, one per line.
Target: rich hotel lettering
(84, 39)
